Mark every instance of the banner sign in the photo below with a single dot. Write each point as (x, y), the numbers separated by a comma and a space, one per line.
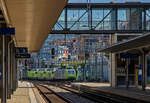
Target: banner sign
(7, 31)
(140, 72)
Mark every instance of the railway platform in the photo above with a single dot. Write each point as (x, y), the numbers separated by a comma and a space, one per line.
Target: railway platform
(26, 93)
(130, 93)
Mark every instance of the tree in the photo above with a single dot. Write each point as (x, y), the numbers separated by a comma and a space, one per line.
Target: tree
(42, 64)
(82, 65)
(106, 55)
(63, 66)
(75, 67)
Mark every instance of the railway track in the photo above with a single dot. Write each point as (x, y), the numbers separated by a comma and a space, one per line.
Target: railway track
(98, 96)
(94, 94)
(50, 96)
(109, 97)
(86, 94)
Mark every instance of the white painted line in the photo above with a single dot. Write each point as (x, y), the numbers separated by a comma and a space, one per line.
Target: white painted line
(31, 94)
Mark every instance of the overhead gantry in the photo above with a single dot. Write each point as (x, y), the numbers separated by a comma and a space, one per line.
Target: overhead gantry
(103, 18)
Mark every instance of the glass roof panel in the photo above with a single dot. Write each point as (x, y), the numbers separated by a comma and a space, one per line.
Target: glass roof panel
(105, 1)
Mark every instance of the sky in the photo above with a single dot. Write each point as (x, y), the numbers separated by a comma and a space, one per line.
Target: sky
(104, 1)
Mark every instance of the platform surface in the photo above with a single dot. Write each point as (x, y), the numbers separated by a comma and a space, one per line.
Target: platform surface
(92, 84)
(25, 93)
(135, 93)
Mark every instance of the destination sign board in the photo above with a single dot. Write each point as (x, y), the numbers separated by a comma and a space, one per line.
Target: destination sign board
(23, 55)
(21, 50)
(7, 31)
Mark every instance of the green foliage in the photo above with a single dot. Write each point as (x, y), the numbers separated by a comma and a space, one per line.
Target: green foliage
(51, 66)
(106, 55)
(43, 65)
(63, 66)
(82, 65)
(75, 67)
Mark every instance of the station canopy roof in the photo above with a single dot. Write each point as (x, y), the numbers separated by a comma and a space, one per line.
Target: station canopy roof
(142, 41)
(33, 20)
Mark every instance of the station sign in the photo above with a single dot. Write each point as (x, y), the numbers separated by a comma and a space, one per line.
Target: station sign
(22, 52)
(7, 31)
(127, 55)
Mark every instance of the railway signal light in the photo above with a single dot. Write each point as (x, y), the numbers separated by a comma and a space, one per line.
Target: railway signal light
(53, 52)
(26, 62)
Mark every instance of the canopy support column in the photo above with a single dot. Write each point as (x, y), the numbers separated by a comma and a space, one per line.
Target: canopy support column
(3, 73)
(113, 70)
(144, 52)
(127, 73)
